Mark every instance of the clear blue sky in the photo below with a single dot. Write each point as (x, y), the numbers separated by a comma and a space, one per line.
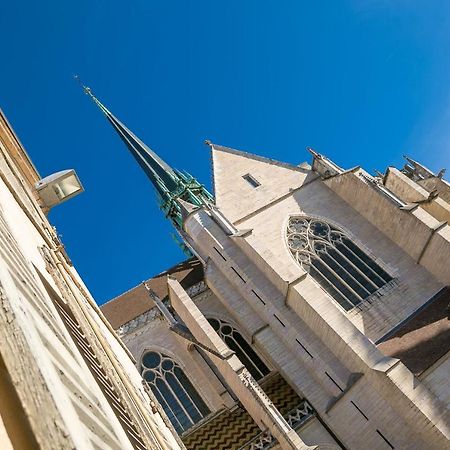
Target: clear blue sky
(361, 81)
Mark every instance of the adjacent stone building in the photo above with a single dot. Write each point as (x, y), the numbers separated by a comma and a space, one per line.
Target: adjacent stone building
(66, 380)
(314, 313)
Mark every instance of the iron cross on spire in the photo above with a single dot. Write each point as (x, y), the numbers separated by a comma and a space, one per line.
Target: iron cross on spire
(87, 90)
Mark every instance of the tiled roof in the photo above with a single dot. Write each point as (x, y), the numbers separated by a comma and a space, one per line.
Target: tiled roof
(231, 430)
(136, 301)
(424, 338)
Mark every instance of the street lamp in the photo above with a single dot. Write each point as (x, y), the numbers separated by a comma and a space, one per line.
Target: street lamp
(59, 187)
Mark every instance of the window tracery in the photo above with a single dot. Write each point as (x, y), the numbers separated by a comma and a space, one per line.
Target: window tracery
(174, 391)
(346, 272)
(241, 347)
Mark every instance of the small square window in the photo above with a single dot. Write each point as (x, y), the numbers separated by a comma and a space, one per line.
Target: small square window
(251, 180)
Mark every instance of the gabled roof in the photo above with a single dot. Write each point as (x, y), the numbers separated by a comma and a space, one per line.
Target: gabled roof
(260, 158)
(244, 182)
(136, 301)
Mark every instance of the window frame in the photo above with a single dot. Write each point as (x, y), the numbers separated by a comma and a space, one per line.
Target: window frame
(266, 370)
(251, 180)
(196, 399)
(307, 256)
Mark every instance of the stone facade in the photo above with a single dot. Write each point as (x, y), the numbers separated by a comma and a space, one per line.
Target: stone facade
(356, 368)
(66, 380)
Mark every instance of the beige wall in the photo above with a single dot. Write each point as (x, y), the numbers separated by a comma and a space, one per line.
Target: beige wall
(61, 400)
(341, 343)
(414, 284)
(155, 335)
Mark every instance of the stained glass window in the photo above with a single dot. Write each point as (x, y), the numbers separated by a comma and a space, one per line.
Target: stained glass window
(241, 347)
(345, 271)
(174, 391)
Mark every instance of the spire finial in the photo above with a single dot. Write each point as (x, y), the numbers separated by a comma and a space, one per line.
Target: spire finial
(87, 90)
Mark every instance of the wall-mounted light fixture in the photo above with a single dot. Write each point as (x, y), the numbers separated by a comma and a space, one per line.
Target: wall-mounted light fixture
(59, 187)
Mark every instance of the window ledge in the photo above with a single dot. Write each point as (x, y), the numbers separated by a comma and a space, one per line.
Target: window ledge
(371, 301)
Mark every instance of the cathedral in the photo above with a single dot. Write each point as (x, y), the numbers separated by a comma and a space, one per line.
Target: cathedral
(312, 312)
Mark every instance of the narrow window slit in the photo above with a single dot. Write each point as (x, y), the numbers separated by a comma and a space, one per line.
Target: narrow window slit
(384, 439)
(244, 351)
(303, 347)
(251, 180)
(238, 274)
(276, 317)
(354, 404)
(220, 254)
(333, 381)
(262, 301)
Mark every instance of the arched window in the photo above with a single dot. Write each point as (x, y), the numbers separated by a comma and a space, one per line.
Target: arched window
(347, 273)
(180, 400)
(241, 347)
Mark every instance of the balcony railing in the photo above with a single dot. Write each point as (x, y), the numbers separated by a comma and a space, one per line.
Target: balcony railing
(295, 418)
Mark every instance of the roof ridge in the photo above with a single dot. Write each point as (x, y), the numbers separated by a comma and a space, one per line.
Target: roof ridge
(148, 279)
(258, 158)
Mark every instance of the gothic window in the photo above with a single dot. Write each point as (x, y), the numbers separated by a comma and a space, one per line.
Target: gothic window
(347, 273)
(179, 399)
(241, 347)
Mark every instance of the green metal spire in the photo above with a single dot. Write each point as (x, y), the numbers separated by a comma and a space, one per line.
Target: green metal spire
(173, 187)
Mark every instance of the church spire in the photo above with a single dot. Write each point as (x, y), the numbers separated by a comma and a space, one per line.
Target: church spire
(173, 187)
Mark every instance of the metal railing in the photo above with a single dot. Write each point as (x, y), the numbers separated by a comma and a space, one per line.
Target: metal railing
(295, 418)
